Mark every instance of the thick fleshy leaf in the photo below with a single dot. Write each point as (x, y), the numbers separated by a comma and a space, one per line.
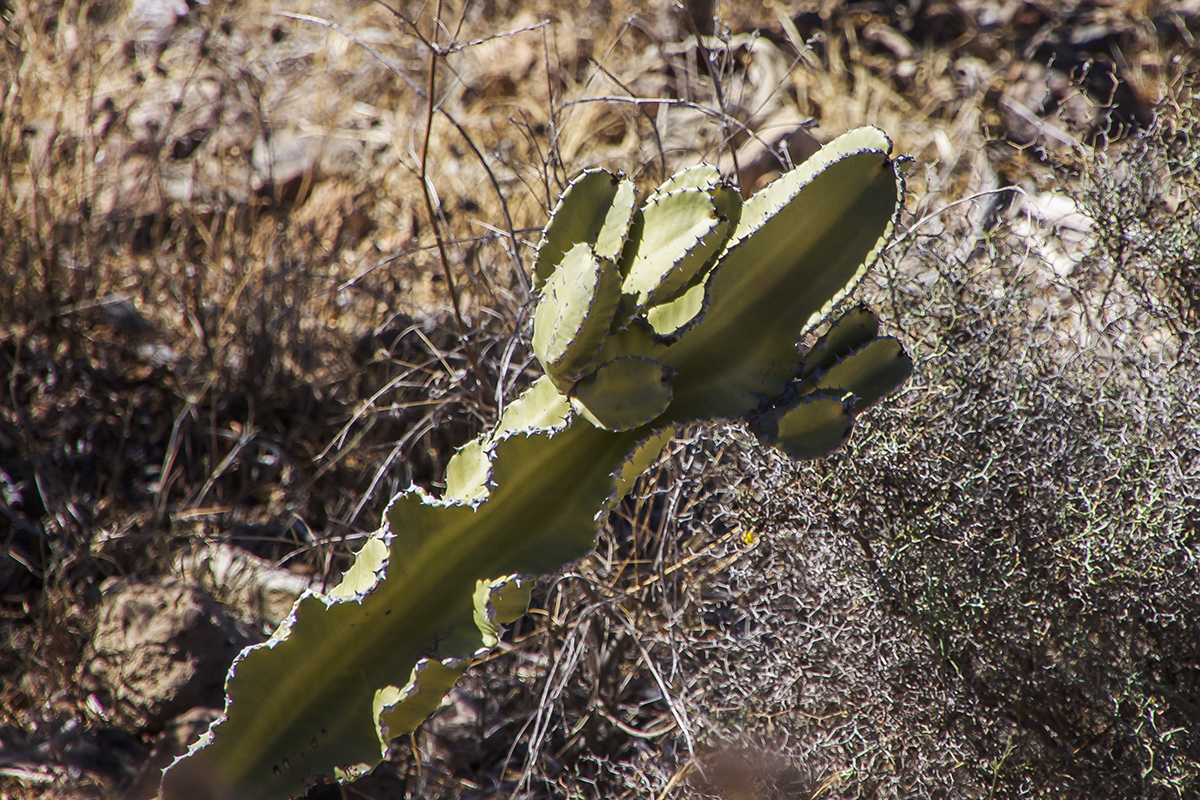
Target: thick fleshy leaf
(539, 408)
(810, 427)
(595, 209)
(849, 332)
(623, 394)
(635, 339)
(468, 472)
(611, 239)
(366, 571)
(801, 244)
(499, 602)
(670, 315)
(304, 708)
(646, 453)
(669, 318)
(729, 204)
(574, 314)
(704, 177)
(871, 372)
(681, 232)
(401, 711)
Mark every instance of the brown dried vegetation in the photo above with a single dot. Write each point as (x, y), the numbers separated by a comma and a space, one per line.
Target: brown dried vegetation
(253, 281)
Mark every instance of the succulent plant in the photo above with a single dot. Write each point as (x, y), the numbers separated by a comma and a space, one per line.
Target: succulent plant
(687, 307)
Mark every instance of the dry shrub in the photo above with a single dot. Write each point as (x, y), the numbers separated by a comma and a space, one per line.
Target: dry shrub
(997, 591)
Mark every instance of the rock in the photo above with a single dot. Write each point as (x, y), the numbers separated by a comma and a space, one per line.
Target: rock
(159, 650)
(155, 19)
(261, 595)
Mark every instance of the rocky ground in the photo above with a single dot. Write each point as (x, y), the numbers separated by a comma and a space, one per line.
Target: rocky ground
(254, 281)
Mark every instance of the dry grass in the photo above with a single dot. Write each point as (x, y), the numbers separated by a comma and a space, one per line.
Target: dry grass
(253, 282)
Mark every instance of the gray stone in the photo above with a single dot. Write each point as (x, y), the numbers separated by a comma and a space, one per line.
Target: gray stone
(159, 650)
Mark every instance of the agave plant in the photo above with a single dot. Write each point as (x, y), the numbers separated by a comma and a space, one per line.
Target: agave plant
(686, 307)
